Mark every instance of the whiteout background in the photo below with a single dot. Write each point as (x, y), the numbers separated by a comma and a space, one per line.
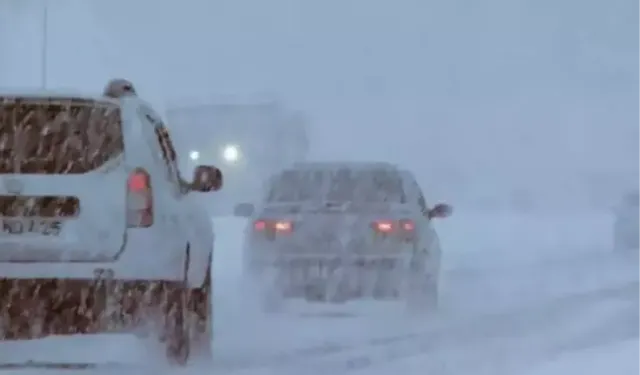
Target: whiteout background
(522, 114)
(527, 97)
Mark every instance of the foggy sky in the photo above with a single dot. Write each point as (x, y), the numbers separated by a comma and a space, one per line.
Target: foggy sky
(499, 90)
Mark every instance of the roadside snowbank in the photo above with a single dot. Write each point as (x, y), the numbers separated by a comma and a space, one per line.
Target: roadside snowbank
(476, 239)
(619, 359)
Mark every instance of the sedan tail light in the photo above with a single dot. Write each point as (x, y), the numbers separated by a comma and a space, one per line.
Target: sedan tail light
(273, 226)
(384, 226)
(283, 226)
(404, 228)
(259, 225)
(407, 225)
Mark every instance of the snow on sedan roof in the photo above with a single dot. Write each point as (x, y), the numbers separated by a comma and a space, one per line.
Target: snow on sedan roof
(345, 165)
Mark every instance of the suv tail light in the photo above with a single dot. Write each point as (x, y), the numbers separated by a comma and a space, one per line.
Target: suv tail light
(139, 199)
(404, 228)
(273, 226)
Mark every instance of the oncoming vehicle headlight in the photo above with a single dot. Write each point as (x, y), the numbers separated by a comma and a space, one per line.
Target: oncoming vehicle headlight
(231, 153)
(194, 155)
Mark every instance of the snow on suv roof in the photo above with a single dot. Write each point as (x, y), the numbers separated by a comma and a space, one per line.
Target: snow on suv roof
(55, 95)
(115, 89)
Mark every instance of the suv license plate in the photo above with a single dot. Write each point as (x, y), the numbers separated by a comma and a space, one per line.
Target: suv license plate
(39, 226)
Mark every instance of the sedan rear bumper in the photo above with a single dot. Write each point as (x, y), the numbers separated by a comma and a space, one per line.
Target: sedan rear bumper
(352, 250)
(378, 271)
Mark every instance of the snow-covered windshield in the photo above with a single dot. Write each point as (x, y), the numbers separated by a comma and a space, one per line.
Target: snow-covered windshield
(338, 185)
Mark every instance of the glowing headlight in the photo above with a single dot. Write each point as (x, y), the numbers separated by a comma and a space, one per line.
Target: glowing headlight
(194, 155)
(230, 153)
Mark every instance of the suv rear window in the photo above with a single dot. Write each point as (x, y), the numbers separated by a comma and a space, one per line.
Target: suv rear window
(58, 135)
(338, 185)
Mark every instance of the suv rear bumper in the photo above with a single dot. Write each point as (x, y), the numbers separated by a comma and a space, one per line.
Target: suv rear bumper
(270, 254)
(38, 308)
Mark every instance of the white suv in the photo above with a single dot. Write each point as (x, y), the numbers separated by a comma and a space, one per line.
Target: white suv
(99, 232)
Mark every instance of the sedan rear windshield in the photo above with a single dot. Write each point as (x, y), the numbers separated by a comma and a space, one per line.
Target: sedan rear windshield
(58, 135)
(338, 185)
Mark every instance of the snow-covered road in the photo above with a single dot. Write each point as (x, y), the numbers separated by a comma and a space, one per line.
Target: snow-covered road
(620, 358)
(517, 291)
(529, 294)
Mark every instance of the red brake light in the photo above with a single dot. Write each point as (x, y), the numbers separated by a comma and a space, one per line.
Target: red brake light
(139, 200)
(384, 226)
(260, 225)
(283, 226)
(138, 182)
(273, 226)
(403, 228)
(407, 225)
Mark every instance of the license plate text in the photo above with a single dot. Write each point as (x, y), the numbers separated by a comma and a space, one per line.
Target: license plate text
(39, 226)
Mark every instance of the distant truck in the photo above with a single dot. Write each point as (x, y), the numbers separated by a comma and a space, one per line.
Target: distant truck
(248, 141)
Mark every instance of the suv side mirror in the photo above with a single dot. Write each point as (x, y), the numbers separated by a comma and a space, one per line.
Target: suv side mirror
(206, 178)
(243, 210)
(440, 210)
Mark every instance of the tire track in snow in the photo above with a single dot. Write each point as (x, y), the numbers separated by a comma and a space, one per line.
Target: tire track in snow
(337, 347)
(506, 287)
(623, 267)
(476, 343)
